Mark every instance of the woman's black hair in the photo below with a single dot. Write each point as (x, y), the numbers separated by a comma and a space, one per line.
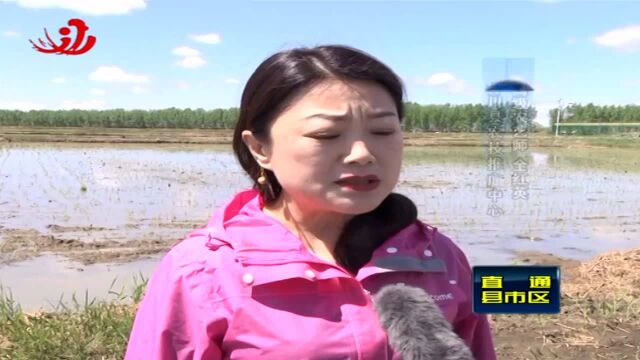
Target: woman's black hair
(271, 89)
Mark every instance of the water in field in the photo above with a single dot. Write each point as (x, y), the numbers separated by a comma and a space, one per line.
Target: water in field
(581, 202)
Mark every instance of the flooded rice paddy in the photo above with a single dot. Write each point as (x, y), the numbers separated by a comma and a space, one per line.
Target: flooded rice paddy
(76, 217)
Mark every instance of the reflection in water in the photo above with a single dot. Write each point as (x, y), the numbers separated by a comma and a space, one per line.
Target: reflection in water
(539, 159)
(44, 281)
(124, 185)
(581, 202)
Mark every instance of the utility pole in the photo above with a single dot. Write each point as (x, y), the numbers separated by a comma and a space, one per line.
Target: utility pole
(558, 117)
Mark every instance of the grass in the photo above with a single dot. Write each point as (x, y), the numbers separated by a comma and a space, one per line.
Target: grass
(86, 329)
(620, 306)
(600, 314)
(100, 330)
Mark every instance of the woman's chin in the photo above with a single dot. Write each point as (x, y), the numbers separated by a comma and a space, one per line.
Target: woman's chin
(360, 205)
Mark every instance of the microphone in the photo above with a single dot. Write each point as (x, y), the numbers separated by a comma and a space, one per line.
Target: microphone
(415, 325)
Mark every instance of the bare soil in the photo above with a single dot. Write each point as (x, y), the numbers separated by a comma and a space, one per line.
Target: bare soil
(225, 136)
(23, 244)
(591, 324)
(600, 307)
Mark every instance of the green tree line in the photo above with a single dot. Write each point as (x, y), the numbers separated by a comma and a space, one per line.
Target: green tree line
(120, 118)
(624, 116)
(431, 118)
(442, 118)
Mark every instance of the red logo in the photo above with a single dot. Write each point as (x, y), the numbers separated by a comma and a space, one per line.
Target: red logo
(66, 47)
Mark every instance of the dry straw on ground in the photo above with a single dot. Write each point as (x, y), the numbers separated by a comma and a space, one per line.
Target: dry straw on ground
(599, 319)
(612, 276)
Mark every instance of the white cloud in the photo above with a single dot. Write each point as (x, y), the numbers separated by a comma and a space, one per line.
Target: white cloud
(185, 51)
(446, 81)
(21, 105)
(137, 89)
(192, 62)
(571, 40)
(211, 38)
(542, 116)
(115, 74)
(438, 79)
(232, 81)
(59, 80)
(624, 39)
(101, 7)
(191, 58)
(97, 92)
(82, 105)
(10, 33)
(182, 85)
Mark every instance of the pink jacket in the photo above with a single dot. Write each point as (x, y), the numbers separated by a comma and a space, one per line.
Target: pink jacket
(244, 287)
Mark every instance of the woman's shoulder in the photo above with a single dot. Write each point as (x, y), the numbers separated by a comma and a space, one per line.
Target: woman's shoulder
(441, 245)
(195, 258)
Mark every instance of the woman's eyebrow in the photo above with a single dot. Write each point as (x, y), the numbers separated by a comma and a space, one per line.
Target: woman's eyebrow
(341, 117)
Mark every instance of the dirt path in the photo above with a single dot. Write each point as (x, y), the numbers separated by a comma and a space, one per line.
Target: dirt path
(24, 244)
(225, 136)
(602, 324)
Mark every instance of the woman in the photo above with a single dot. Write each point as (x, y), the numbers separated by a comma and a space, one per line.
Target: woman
(285, 270)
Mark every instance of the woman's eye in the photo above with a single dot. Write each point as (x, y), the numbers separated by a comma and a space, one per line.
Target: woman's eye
(329, 137)
(325, 137)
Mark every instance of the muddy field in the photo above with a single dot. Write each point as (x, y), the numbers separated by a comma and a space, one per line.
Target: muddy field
(24, 244)
(85, 204)
(599, 314)
(224, 136)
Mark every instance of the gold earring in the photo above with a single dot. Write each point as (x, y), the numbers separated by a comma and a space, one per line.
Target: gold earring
(262, 179)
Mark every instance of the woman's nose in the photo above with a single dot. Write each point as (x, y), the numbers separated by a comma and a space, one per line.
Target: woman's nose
(359, 153)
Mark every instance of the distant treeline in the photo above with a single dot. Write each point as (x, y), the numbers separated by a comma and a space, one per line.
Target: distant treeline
(443, 118)
(120, 118)
(624, 118)
(468, 117)
(595, 113)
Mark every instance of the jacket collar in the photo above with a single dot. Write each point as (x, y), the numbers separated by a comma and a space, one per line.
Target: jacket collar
(266, 247)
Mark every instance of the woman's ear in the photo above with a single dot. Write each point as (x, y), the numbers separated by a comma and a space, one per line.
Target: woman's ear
(260, 150)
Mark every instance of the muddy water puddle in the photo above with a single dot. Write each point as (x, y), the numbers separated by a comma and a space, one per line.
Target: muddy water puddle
(75, 216)
(47, 280)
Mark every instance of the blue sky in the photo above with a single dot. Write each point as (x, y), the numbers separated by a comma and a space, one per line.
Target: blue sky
(198, 54)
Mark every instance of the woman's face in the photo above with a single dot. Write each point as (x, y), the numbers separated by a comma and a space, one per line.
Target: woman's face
(308, 152)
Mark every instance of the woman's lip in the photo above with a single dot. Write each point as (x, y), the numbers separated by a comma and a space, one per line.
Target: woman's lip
(360, 187)
(352, 180)
(359, 178)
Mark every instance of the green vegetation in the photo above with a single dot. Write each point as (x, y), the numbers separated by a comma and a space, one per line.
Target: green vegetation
(101, 330)
(87, 330)
(442, 118)
(472, 118)
(595, 120)
(467, 118)
(120, 118)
